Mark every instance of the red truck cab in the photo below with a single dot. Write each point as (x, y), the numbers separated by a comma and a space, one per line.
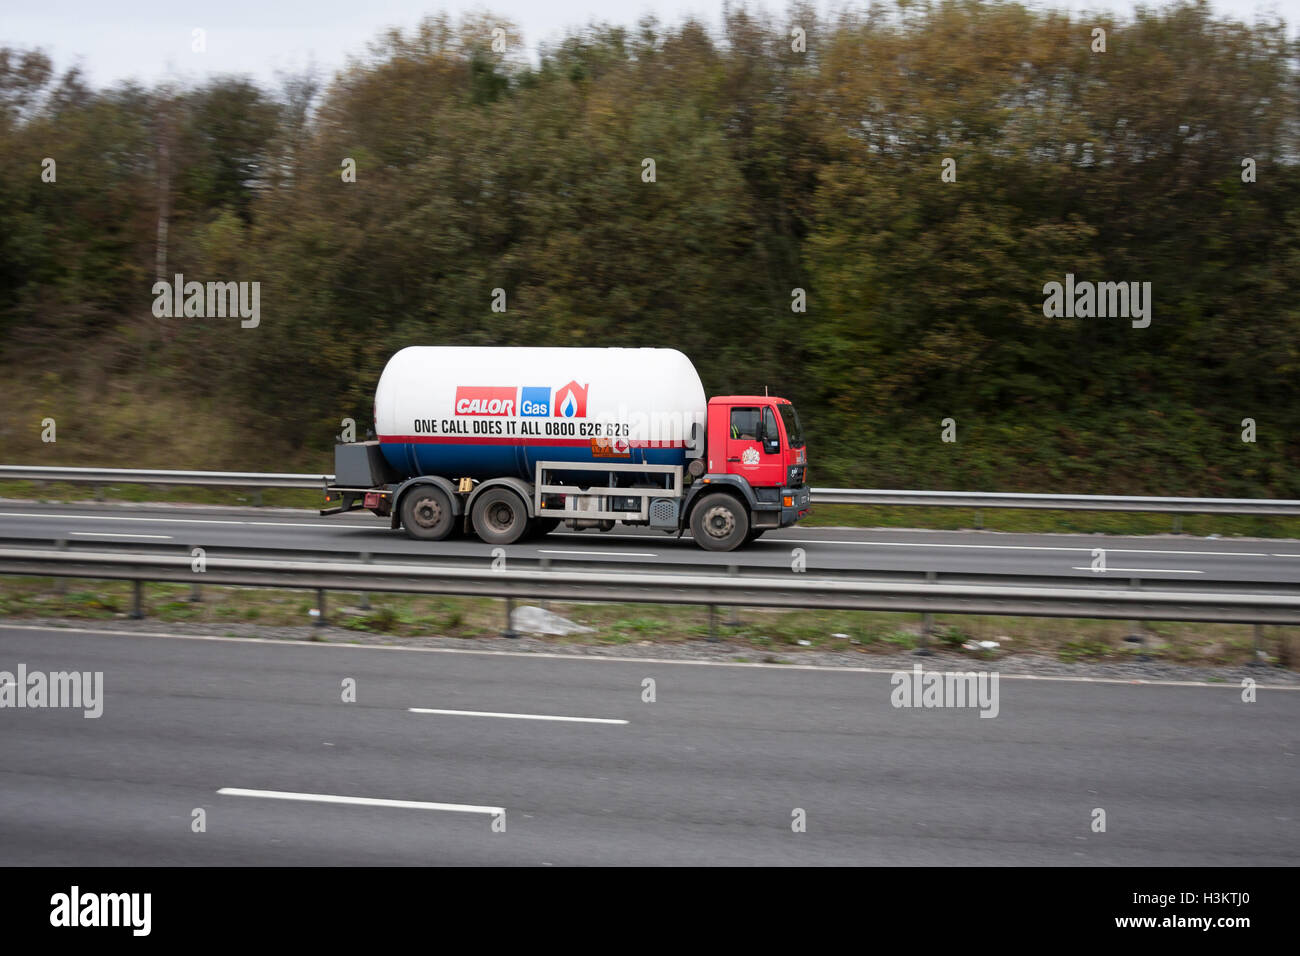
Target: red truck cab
(754, 453)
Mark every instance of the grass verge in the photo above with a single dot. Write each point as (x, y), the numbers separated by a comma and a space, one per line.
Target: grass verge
(764, 634)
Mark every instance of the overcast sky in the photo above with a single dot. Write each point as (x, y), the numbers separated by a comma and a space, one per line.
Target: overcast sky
(151, 39)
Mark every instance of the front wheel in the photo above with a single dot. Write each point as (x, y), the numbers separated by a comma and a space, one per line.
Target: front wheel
(720, 523)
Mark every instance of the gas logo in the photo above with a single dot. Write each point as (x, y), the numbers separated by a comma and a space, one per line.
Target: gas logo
(534, 401)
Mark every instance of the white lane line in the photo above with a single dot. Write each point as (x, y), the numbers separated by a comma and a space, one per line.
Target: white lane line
(11, 625)
(1137, 570)
(1027, 547)
(112, 534)
(358, 801)
(488, 713)
(318, 525)
(607, 554)
(1284, 555)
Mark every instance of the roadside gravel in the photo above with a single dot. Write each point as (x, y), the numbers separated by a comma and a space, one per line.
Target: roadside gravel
(720, 651)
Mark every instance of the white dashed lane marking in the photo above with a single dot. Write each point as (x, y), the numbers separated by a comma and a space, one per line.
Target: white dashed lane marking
(357, 801)
(488, 713)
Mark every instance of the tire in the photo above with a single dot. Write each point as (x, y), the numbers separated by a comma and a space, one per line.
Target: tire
(719, 523)
(539, 528)
(500, 516)
(543, 526)
(754, 534)
(427, 514)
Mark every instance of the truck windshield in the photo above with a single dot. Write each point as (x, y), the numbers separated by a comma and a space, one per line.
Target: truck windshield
(793, 431)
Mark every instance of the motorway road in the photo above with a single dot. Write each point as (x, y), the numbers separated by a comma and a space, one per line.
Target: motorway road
(709, 773)
(1181, 558)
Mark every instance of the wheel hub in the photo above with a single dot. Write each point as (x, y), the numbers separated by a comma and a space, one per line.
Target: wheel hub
(719, 522)
(500, 516)
(428, 512)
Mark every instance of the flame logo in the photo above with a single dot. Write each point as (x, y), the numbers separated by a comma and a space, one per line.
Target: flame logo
(571, 401)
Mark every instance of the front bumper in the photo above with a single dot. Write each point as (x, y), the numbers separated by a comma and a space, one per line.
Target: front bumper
(801, 499)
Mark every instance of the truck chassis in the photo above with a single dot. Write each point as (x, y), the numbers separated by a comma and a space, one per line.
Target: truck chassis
(505, 510)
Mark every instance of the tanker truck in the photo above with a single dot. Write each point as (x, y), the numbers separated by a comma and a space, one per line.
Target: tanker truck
(510, 443)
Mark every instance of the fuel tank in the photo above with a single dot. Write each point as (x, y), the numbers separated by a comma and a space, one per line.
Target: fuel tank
(478, 412)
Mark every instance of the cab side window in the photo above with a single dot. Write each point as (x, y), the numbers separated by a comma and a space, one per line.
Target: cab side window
(744, 423)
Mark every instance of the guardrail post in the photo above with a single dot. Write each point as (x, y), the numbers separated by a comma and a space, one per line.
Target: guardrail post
(99, 492)
(320, 607)
(1135, 635)
(1178, 524)
(927, 623)
(510, 632)
(735, 621)
(366, 558)
(979, 520)
(713, 623)
(545, 565)
(137, 600)
(257, 498)
(196, 591)
(61, 584)
(1257, 653)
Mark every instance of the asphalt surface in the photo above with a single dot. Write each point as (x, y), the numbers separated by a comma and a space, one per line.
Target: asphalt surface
(709, 773)
(1169, 558)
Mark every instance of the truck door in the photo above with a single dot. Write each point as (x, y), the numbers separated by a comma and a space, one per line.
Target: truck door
(754, 446)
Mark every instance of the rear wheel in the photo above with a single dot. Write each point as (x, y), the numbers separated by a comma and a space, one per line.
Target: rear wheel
(427, 514)
(719, 523)
(500, 516)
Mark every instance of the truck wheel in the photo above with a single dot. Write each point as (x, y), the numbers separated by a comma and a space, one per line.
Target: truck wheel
(754, 534)
(427, 514)
(500, 516)
(719, 523)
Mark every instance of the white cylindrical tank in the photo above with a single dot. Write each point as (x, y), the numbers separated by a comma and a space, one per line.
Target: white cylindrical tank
(466, 412)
